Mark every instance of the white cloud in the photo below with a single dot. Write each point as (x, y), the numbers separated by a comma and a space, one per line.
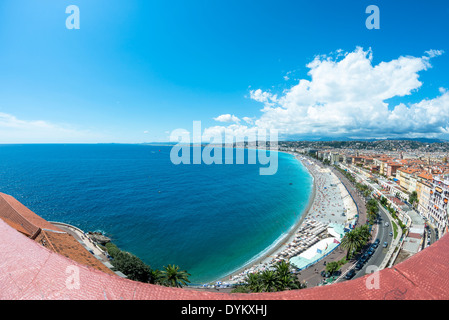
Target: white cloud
(346, 94)
(434, 53)
(227, 118)
(248, 120)
(264, 97)
(14, 130)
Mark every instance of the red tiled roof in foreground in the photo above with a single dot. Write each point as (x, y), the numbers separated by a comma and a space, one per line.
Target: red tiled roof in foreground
(17, 212)
(40, 230)
(30, 271)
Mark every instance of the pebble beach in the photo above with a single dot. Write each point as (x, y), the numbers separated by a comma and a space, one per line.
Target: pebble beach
(329, 203)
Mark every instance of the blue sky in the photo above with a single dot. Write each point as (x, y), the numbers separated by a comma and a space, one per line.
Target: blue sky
(137, 70)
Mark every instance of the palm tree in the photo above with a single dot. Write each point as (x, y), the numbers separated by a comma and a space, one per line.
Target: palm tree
(268, 279)
(279, 279)
(286, 280)
(155, 276)
(350, 242)
(171, 276)
(372, 207)
(364, 233)
(253, 282)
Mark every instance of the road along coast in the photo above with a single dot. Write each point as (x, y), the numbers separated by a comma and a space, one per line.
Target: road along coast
(329, 205)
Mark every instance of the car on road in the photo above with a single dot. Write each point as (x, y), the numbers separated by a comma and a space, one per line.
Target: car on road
(325, 274)
(336, 273)
(376, 243)
(385, 244)
(365, 257)
(359, 265)
(386, 224)
(350, 274)
(391, 234)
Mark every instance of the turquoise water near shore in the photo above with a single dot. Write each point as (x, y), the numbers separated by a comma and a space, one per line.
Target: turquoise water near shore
(208, 219)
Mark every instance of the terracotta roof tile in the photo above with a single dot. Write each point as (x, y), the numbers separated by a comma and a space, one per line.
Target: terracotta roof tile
(33, 226)
(14, 210)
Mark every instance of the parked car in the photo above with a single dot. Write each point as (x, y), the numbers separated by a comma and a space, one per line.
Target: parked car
(325, 274)
(350, 274)
(364, 258)
(359, 265)
(336, 273)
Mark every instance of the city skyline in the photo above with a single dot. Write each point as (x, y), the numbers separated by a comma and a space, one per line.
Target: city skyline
(134, 72)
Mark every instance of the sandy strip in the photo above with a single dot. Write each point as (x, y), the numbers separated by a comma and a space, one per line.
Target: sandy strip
(287, 239)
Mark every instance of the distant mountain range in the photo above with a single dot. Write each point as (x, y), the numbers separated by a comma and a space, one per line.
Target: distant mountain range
(326, 139)
(330, 139)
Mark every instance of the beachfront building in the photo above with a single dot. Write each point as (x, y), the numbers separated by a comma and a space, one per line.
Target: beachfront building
(406, 179)
(356, 159)
(335, 158)
(347, 159)
(392, 168)
(437, 208)
(394, 189)
(423, 187)
(382, 164)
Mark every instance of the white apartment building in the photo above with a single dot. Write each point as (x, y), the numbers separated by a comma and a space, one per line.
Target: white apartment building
(437, 208)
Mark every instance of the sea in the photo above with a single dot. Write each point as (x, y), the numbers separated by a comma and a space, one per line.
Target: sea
(209, 219)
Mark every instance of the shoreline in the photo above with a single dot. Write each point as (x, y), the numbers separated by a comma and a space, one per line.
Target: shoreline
(288, 238)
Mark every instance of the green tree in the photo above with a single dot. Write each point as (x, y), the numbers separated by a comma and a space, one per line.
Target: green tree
(363, 233)
(171, 276)
(130, 265)
(155, 276)
(413, 198)
(286, 280)
(253, 282)
(350, 242)
(371, 206)
(279, 279)
(333, 266)
(268, 281)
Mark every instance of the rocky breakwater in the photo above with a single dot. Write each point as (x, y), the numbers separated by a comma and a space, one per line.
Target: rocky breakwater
(98, 238)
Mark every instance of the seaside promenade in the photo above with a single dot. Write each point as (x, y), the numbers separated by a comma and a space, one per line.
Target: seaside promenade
(314, 240)
(312, 276)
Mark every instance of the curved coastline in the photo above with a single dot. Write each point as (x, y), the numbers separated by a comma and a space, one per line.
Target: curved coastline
(276, 247)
